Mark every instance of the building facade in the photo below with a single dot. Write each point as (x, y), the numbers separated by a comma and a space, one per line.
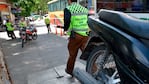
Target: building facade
(4, 10)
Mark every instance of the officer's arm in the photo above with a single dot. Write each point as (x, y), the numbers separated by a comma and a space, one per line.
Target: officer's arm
(67, 16)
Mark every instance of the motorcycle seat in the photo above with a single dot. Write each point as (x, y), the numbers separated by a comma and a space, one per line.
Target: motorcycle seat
(125, 22)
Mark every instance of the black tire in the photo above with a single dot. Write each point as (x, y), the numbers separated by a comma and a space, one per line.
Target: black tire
(34, 36)
(93, 56)
(23, 40)
(96, 62)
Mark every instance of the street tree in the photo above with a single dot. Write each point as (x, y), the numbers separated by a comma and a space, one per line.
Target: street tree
(31, 6)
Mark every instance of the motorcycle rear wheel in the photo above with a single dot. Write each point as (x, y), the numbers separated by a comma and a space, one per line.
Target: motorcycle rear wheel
(102, 67)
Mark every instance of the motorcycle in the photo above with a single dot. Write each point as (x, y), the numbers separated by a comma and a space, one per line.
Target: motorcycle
(28, 33)
(117, 51)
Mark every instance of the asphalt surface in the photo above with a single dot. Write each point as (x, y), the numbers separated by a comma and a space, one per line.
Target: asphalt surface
(45, 53)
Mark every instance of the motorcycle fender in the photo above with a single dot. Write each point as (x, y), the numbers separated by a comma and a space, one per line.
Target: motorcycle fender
(92, 43)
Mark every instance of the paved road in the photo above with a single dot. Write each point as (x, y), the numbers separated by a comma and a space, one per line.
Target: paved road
(39, 55)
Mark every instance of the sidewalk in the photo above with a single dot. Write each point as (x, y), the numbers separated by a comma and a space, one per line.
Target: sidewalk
(55, 75)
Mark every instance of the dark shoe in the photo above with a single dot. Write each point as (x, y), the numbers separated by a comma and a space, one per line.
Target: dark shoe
(68, 72)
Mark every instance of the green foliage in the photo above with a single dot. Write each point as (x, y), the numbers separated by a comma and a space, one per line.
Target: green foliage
(32, 6)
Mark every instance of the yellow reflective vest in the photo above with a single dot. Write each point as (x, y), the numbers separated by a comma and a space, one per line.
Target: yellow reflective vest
(79, 17)
(47, 21)
(9, 26)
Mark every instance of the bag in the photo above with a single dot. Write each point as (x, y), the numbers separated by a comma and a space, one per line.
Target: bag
(72, 35)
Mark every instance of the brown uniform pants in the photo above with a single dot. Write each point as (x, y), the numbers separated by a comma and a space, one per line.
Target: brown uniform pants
(74, 45)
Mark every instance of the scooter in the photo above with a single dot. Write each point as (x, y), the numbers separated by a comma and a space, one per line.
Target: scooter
(117, 51)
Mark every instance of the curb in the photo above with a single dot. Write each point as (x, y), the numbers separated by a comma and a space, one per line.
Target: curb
(4, 76)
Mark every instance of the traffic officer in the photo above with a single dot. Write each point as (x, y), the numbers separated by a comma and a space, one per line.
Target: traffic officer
(47, 22)
(10, 29)
(75, 23)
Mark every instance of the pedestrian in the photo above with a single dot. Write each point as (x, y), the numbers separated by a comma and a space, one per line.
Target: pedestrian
(47, 22)
(75, 23)
(10, 29)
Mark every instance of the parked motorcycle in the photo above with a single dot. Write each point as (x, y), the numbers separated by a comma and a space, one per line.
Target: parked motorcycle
(28, 33)
(118, 50)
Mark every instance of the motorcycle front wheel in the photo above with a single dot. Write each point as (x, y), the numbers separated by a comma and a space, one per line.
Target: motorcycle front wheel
(23, 41)
(34, 36)
(102, 67)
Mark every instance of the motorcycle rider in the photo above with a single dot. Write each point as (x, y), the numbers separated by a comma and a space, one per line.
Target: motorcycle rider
(75, 23)
(23, 23)
(10, 29)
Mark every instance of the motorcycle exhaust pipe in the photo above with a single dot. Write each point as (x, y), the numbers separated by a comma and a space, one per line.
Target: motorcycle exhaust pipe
(84, 77)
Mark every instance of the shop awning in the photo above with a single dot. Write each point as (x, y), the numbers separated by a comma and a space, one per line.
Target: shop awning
(3, 5)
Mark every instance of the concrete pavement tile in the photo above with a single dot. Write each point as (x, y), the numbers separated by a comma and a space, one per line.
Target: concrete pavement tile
(50, 81)
(80, 65)
(68, 80)
(61, 69)
(51, 76)
(65, 80)
(45, 75)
